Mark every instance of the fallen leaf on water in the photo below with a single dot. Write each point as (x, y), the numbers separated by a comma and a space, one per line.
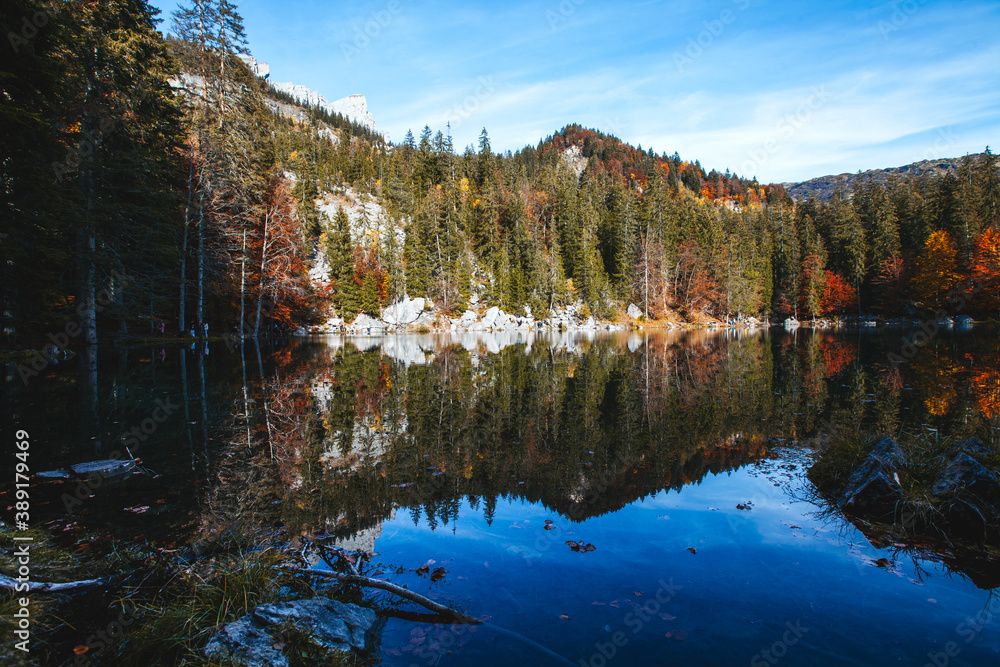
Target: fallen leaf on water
(564, 617)
(882, 562)
(637, 594)
(137, 510)
(680, 635)
(692, 550)
(549, 521)
(80, 650)
(745, 506)
(668, 617)
(422, 570)
(438, 574)
(549, 526)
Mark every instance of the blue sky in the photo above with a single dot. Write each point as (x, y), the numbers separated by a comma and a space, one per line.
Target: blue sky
(778, 90)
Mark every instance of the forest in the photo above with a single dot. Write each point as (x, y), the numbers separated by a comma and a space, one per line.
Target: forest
(153, 184)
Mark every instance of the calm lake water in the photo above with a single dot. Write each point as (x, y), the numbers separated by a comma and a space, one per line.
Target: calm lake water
(680, 457)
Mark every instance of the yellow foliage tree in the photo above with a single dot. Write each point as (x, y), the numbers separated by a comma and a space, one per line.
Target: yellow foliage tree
(936, 272)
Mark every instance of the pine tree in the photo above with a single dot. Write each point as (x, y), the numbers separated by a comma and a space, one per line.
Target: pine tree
(340, 255)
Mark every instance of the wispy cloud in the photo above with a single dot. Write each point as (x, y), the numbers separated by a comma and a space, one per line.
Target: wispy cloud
(895, 75)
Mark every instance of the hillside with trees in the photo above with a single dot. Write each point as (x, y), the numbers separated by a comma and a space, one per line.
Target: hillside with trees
(156, 181)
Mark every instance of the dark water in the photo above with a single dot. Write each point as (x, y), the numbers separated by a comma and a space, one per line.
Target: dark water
(455, 452)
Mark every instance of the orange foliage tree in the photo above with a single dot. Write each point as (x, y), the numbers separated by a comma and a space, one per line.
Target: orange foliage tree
(936, 272)
(838, 295)
(695, 287)
(282, 274)
(986, 269)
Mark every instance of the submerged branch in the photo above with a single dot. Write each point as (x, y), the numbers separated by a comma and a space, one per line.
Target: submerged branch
(12, 584)
(369, 582)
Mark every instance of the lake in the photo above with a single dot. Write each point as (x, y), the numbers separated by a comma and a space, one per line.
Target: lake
(632, 499)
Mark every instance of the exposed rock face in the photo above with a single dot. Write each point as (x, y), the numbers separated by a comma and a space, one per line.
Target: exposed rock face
(573, 158)
(333, 625)
(634, 311)
(354, 107)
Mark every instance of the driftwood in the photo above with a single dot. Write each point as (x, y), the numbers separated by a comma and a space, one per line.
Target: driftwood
(406, 593)
(39, 587)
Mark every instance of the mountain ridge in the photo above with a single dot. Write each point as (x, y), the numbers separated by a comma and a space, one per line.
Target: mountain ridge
(823, 187)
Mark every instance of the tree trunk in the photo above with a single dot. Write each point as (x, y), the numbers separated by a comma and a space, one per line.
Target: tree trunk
(201, 262)
(182, 318)
(243, 283)
(260, 286)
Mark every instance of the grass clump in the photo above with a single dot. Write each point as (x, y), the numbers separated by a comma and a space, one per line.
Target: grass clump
(195, 601)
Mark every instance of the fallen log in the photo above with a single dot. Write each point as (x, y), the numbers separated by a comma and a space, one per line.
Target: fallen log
(406, 593)
(41, 587)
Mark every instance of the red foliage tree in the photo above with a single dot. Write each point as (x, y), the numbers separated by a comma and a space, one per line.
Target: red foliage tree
(986, 270)
(838, 296)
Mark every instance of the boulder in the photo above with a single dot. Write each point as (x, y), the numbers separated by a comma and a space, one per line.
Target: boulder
(491, 316)
(965, 477)
(333, 625)
(404, 312)
(873, 488)
(468, 318)
(634, 311)
(364, 323)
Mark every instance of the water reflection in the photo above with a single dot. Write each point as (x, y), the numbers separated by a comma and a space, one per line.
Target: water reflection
(460, 446)
(352, 429)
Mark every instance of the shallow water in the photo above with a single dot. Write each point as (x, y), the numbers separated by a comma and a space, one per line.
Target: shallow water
(454, 452)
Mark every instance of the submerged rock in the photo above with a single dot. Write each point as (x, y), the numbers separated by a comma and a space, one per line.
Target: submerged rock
(333, 625)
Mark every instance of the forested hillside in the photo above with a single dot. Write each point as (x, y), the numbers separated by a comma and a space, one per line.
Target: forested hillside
(151, 180)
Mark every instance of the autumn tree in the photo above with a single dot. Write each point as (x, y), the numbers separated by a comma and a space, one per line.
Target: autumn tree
(935, 273)
(838, 295)
(890, 283)
(986, 269)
